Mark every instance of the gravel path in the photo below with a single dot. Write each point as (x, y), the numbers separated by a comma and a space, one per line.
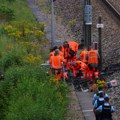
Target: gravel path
(61, 33)
(70, 10)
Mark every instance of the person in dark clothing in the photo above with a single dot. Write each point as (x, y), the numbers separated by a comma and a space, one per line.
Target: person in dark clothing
(96, 95)
(98, 102)
(106, 110)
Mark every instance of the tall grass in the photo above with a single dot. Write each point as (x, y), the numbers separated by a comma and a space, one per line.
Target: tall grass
(30, 95)
(44, 5)
(22, 12)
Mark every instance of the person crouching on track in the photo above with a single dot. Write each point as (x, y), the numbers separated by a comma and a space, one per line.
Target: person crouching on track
(105, 110)
(76, 67)
(56, 64)
(79, 71)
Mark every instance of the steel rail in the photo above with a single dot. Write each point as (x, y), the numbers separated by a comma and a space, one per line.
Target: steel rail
(112, 8)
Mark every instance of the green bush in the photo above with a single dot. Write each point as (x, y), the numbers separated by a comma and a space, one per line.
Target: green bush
(35, 101)
(24, 31)
(27, 94)
(72, 24)
(13, 76)
(2, 31)
(6, 13)
(11, 58)
(4, 1)
(11, 0)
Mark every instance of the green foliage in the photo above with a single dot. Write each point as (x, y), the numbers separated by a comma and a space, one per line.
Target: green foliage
(6, 13)
(12, 57)
(5, 1)
(1, 30)
(27, 94)
(44, 5)
(20, 10)
(72, 24)
(25, 31)
(11, 0)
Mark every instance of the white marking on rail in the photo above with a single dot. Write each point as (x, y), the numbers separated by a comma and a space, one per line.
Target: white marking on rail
(87, 110)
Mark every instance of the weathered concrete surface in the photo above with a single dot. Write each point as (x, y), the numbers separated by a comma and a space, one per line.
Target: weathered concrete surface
(85, 101)
(74, 109)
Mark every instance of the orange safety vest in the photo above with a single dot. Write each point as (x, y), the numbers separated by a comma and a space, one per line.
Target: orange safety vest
(83, 66)
(51, 53)
(92, 56)
(74, 46)
(66, 52)
(56, 62)
(79, 65)
(60, 53)
(83, 55)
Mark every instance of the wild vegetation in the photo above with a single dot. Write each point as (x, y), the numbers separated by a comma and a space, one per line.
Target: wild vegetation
(26, 92)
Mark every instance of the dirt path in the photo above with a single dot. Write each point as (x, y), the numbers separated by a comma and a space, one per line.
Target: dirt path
(75, 112)
(61, 33)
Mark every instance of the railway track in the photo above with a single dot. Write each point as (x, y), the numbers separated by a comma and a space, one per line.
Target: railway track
(112, 8)
(108, 70)
(112, 67)
(110, 32)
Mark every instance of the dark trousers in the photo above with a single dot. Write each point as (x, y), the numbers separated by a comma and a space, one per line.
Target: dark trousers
(98, 116)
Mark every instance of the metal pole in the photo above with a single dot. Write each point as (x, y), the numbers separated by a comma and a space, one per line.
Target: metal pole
(89, 30)
(87, 22)
(52, 24)
(84, 28)
(100, 45)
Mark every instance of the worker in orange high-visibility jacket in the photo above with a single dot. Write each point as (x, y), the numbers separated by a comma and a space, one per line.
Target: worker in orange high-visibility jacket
(53, 51)
(84, 55)
(84, 68)
(93, 57)
(66, 50)
(73, 45)
(66, 54)
(56, 64)
(90, 74)
(81, 67)
(73, 50)
(69, 50)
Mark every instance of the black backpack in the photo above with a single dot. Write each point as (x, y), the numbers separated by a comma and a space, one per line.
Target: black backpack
(106, 113)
